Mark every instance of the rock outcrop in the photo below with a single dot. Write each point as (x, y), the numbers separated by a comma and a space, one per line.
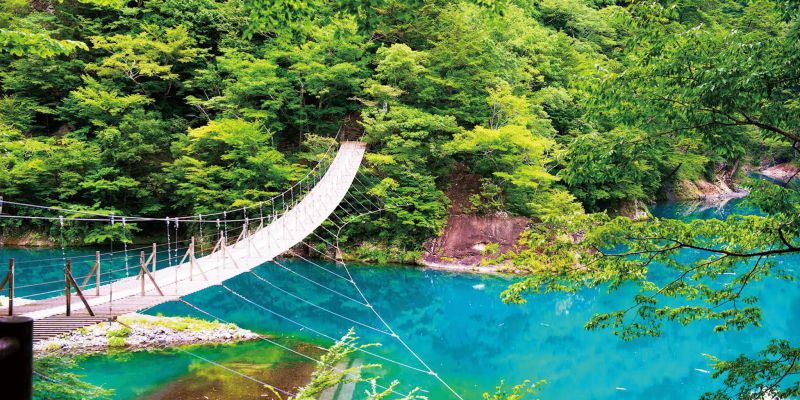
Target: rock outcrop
(722, 186)
(468, 240)
(781, 172)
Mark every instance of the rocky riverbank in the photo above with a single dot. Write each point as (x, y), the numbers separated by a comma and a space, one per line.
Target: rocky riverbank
(134, 332)
(781, 172)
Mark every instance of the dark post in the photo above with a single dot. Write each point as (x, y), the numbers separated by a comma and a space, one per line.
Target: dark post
(68, 289)
(16, 357)
(11, 287)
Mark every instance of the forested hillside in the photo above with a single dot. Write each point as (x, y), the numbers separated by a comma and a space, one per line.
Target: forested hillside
(182, 107)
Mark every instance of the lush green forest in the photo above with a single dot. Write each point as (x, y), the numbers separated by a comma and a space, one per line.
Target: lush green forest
(566, 111)
(182, 107)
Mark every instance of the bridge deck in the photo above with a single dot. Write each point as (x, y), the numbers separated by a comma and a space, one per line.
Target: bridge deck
(124, 296)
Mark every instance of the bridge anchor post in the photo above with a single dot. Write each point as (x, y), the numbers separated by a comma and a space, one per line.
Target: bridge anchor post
(16, 357)
(9, 280)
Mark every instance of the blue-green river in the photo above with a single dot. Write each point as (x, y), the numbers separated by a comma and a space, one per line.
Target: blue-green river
(456, 322)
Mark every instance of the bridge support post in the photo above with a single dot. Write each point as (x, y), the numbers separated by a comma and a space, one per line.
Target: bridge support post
(155, 257)
(191, 259)
(143, 266)
(96, 272)
(9, 280)
(144, 272)
(70, 283)
(16, 357)
(68, 290)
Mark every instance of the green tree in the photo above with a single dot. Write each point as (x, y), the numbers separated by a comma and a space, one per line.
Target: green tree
(604, 169)
(229, 163)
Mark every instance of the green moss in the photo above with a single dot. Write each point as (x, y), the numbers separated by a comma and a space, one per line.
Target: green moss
(121, 332)
(52, 347)
(174, 323)
(115, 341)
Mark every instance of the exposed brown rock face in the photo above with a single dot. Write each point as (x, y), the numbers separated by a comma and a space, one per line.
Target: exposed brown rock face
(465, 238)
(782, 172)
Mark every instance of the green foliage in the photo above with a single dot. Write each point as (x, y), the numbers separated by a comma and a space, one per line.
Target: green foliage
(375, 394)
(53, 381)
(121, 332)
(717, 73)
(174, 323)
(604, 169)
(229, 162)
(696, 84)
(22, 43)
(709, 264)
(771, 375)
(489, 200)
(280, 16)
(195, 106)
(328, 375)
(116, 342)
(382, 254)
(151, 53)
(408, 141)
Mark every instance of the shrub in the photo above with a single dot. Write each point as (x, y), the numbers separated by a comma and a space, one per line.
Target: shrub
(121, 332)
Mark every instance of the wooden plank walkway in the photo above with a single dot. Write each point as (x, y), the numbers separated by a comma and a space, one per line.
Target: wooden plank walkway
(125, 295)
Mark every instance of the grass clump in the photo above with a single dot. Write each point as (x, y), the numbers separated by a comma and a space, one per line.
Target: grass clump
(174, 323)
(121, 332)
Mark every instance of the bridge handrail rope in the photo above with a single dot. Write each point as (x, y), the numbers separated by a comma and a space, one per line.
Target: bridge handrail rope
(187, 218)
(334, 291)
(61, 281)
(103, 273)
(59, 262)
(310, 329)
(169, 249)
(51, 261)
(317, 306)
(429, 371)
(273, 342)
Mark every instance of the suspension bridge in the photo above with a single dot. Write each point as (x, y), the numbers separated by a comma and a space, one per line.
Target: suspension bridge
(152, 286)
(303, 209)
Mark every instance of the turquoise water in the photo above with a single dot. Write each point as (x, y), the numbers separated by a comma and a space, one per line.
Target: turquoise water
(456, 323)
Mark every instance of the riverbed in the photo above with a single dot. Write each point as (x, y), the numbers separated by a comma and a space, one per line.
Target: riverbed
(455, 322)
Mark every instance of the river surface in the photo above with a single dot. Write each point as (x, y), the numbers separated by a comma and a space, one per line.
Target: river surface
(455, 322)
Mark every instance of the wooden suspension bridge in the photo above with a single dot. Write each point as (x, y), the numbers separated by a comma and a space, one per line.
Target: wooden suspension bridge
(79, 307)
